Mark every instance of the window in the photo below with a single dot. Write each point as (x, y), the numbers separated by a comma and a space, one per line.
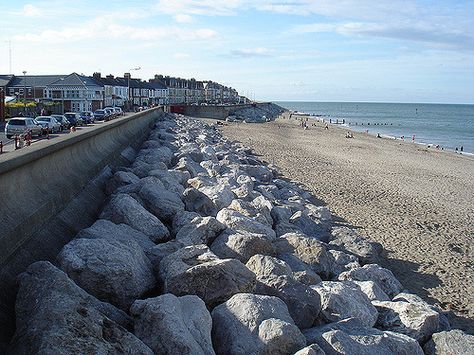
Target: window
(12, 91)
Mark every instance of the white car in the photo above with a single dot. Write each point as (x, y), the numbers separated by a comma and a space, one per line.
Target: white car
(21, 125)
(118, 111)
(49, 122)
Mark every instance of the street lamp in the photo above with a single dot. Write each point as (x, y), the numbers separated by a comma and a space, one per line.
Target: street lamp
(128, 85)
(24, 92)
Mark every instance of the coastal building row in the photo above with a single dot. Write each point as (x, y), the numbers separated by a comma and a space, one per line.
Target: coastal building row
(75, 92)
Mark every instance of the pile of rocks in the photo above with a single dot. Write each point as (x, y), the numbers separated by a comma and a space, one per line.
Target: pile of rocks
(261, 112)
(202, 249)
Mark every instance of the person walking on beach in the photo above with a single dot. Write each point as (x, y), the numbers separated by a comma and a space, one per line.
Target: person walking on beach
(326, 127)
(462, 148)
(413, 138)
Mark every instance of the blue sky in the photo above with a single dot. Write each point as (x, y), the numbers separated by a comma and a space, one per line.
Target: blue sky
(327, 50)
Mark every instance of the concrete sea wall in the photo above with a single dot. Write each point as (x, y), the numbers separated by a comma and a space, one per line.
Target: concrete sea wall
(48, 192)
(254, 112)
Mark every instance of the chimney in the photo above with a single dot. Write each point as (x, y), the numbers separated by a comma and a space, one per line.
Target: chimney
(126, 75)
(96, 75)
(110, 76)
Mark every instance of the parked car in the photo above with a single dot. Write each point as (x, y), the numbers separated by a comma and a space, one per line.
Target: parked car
(63, 121)
(49, 122)
(100, 115)
(87, 116)
(74, 118)
(20, 125)
(110, 112)
(118, 111)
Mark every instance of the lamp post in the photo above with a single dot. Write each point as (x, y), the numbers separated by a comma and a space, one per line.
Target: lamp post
(24, 92)
(128, 85)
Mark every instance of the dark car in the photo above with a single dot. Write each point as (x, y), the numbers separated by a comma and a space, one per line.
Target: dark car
(74, 119)
(87, 116)
(63, 121)
(101, 115)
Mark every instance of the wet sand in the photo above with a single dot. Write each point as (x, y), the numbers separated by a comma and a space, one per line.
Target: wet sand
(417, 202)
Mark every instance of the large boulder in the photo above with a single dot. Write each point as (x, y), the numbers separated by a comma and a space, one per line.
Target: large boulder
(342, 262)
(142, 169)
(201, 230)
(313, 349)
(451, 342)
(162, 203)
(254, 324)
(106, 229)
(174, 325)
(373, 272)
(415, 319)
(110, 270)
(189, 165)
(340, 301)
(221, 194)
(239, 222)
(349, 336)
(155, 155)
(308, 250)
(241, 245)
(119, 179)
(275, 278)
(172, 180)
(55, 316)
(348, 240)
(195, 270)
(196, 201)
(123, 208)
(371, 290)
(309, 226)
(259, 172)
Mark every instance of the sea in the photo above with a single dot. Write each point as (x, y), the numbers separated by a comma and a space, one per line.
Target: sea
(446, 125)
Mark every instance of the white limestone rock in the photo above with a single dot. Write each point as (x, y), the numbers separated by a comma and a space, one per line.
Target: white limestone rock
(201, 230)
(340, 301)
(254, 324)
(348, 240)
(239, 222)
(55, 316)
(450, 342)
(241, 245)
(174, 325)
(195, 270)
(373, 272)
(110, 270)
(349, 336)
(123, 208)
(162, 203)
(196, 201)
(308, 250)
(415, 319)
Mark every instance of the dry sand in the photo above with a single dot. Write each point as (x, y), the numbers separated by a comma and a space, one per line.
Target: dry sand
(417, 202)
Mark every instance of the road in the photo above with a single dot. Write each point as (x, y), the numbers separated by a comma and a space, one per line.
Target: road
(8, 144)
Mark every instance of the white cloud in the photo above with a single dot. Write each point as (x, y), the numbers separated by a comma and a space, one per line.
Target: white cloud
(418, 32)
(181, 55)
(106, 27)
(183, 18)
(199, 7)
(30, 10)
(251, 52)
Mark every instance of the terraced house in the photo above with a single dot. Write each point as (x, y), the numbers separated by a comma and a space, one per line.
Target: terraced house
(76, 93)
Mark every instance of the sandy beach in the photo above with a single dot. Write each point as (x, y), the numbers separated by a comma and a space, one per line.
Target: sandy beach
(417, 202)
